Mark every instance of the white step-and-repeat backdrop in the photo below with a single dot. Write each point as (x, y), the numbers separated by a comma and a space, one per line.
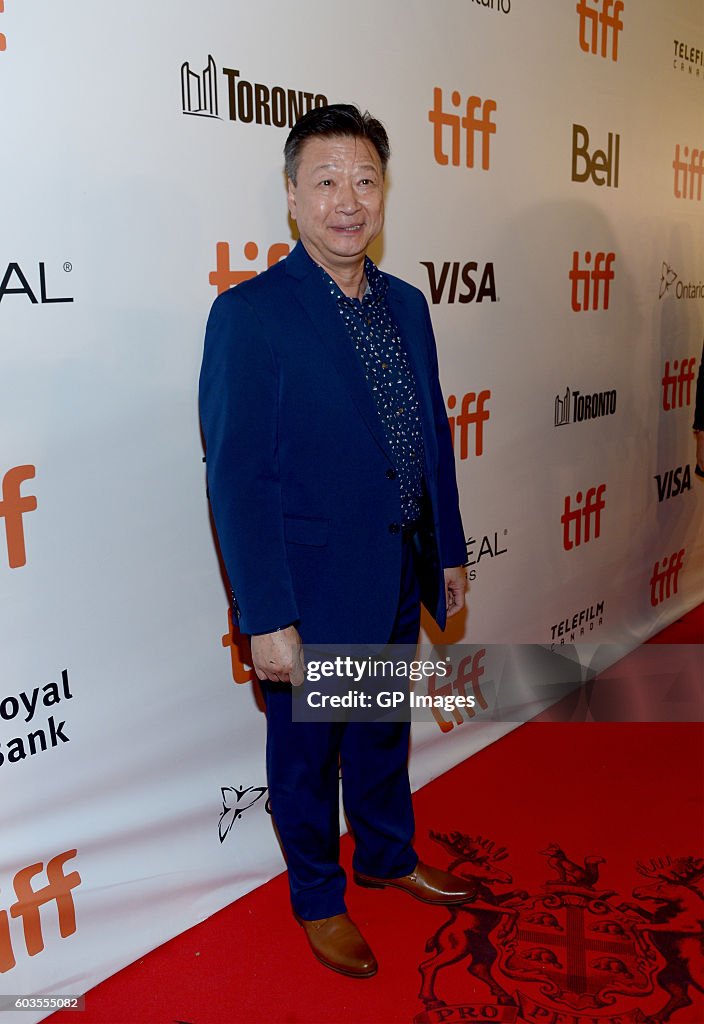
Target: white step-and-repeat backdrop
(545, 192)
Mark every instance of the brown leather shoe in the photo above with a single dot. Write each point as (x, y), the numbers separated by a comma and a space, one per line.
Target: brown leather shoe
(431, 885)
(338, 943)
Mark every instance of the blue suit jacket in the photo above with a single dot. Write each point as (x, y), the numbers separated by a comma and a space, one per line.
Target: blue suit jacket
(300, 475)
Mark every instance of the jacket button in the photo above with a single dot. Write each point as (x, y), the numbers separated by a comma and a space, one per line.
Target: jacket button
(394, 528)
(390, 474)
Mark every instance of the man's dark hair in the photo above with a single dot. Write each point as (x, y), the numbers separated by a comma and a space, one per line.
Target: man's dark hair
(335, 119)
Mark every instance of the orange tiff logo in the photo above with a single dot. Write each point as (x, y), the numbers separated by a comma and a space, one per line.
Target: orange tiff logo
(597, 23)
(475, 121)
(12, 507)
(224, 277)
(240, 652)
(28, 901)
(3, 40)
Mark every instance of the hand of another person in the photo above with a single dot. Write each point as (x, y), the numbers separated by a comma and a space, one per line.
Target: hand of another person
(278, 656)
(455, 585)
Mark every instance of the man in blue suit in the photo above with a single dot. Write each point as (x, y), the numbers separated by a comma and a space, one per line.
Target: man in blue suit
(332, 484)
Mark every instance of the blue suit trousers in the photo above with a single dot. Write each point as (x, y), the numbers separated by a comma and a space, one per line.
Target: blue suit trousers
(304, 761)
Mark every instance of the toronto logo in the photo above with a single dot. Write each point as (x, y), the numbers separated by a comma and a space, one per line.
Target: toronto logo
(575, 952)
(248, 102)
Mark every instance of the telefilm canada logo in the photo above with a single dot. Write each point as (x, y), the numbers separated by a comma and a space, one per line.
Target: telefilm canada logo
(672, 285)
(686, 59)
(576, 625)
(575, 406)
(248, 102)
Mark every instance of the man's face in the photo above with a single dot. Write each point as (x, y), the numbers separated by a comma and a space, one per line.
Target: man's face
(338, 200)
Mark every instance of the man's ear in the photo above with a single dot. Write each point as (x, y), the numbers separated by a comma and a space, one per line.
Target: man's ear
(291, 199)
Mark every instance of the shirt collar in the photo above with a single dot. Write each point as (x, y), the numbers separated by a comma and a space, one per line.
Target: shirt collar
(377, 286)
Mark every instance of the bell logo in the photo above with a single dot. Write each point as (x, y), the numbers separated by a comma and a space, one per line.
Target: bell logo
(663, 582)
(30, 899)
(674, 384)
(588, 516)
(472, 123)
(223, 277)
(600, 18)
(12, 507)
(586, 291)
(602, 165)
(473, 413)
(689, 170)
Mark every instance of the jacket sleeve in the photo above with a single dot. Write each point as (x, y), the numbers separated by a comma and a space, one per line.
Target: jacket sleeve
(238, 397)
(453, 549)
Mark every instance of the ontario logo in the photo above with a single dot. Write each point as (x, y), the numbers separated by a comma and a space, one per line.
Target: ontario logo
(671, 284)
(236, 800)
(248, 102)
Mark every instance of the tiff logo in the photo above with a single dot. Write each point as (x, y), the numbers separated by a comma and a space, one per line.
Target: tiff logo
(199, 92)
(687, 173)
(673, 384)
(29, 900)
(471, 123)
(224, 277)
(240, 652)
(597, 21)
(573, 519)
(586, 283)
(663, 582)
(469, 672)
(12, 507)
(473, 413)
(3, 40)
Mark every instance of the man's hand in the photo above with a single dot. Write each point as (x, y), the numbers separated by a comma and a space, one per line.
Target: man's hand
(455, 584)
(278, 656)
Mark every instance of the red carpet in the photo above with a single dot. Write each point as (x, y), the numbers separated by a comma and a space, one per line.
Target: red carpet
(560, 815)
